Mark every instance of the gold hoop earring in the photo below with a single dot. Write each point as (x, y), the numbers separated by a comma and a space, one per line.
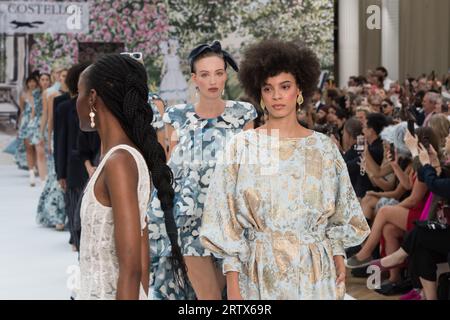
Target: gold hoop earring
(196, 92)
(92, 116)
(300, 99)
(262, 105)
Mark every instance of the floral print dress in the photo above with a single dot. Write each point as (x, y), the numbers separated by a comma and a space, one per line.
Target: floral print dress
(24, 132)
(277, 211)
(157, 122)
(51, 207)
(192, 163)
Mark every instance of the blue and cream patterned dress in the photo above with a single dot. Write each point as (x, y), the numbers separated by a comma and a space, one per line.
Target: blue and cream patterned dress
(51, 207)
(277, 211)
(24, 132)
(192, 163)
(157, 122)
(35, 123)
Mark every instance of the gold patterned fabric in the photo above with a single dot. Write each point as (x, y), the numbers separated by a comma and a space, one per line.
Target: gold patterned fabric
(277, 211)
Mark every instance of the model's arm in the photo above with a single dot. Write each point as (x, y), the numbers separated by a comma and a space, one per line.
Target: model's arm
(121, 182)
(50, 117)
(44, 113)
(21, 106)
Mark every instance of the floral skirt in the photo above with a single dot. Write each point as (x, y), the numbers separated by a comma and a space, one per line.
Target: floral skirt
(51, 208)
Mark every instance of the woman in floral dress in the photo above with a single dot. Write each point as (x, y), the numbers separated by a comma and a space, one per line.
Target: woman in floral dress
(51, 210)
(25, 154)
(196, 134)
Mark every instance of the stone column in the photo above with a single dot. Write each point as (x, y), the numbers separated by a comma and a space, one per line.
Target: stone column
(390, 37)
(348, 40)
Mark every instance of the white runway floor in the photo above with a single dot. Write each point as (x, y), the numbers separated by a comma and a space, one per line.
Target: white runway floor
(33, 259)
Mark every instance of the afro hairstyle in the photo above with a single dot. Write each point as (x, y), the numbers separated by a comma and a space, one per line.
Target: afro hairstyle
(269, 58)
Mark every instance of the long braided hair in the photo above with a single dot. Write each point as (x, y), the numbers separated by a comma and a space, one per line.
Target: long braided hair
(121, 82)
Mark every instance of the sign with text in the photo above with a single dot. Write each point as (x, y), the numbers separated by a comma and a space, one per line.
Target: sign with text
(44, 17)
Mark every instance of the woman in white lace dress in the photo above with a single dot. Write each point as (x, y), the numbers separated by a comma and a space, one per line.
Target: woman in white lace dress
(114, 260)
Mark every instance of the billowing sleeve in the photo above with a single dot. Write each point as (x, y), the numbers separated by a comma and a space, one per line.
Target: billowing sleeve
(250, 113)
(222, 230)
(347, 227)
(174, 116)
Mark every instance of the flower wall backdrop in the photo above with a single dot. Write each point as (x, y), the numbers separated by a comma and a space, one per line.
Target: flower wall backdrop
(144, 25)
(138, 25)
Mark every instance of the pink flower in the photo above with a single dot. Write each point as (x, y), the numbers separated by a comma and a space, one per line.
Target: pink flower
(128, 32)
(107, 37)
(111, 22)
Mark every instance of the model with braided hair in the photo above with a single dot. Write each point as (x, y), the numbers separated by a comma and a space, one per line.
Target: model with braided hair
(114, 253)
(196, 133)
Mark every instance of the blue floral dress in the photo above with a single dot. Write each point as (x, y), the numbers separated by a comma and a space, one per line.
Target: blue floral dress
(192, 163)
(24, 133)
(35, 123)
(20, 155)
(51, 207)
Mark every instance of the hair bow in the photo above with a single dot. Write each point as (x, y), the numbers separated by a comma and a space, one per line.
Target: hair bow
(214, 47)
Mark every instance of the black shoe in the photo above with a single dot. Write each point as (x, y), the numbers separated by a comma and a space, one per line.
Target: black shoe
(349, 252)
(395, 288)
(360, 273)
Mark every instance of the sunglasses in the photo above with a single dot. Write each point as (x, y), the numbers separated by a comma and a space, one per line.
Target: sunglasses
(135, 55)
(385, 105)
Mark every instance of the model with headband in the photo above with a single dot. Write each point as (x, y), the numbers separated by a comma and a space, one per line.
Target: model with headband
(197, 133)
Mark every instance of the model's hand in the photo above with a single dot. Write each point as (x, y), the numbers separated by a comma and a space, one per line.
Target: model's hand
(340, 269)
(234, 295)
(233, 291)
(63, 184)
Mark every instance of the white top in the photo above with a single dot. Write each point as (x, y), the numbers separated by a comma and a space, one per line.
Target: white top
(99, 265)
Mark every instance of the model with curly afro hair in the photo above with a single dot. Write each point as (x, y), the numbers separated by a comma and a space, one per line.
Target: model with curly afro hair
(281, 202)
(272, 57)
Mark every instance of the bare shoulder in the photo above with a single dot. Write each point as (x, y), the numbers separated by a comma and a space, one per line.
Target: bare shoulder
(121, 165)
